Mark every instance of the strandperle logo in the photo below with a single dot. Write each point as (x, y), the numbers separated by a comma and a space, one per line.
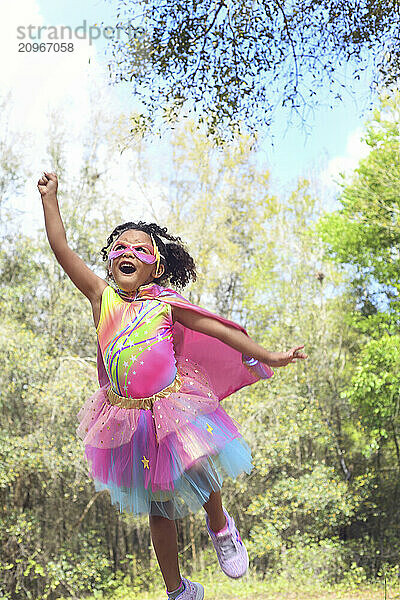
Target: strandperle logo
(65, 32)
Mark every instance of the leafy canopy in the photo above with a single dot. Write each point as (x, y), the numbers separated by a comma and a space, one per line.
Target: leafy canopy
(363, 236)
(235, 62)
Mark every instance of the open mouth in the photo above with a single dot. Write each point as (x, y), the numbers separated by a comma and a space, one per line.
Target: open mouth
(127, 268)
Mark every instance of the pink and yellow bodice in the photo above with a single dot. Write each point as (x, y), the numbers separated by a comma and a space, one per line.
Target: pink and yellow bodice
(137, 344)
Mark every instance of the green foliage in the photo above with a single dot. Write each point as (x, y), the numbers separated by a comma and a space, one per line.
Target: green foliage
(321, 501)
(362, 239)
(314, 504)
(317, 499)
(32, 572)
(374, 389)
(363, 236)
(326, 562)
(226, 60)
(220, 212)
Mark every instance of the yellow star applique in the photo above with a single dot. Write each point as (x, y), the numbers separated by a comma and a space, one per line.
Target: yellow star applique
(209, 429)
(145, 462)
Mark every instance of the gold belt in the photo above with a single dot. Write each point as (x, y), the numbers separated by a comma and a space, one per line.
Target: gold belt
(143, 403)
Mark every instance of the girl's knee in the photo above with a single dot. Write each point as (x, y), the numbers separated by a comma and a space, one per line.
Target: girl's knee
(157, 519)
(160, 521)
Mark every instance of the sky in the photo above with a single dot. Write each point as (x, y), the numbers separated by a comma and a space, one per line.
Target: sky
(43, 82)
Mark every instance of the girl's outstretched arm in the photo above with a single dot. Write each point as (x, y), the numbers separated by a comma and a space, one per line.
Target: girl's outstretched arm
(236, 338)
(84, 278)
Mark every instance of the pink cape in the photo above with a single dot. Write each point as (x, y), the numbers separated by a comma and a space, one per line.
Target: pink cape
(228, 370)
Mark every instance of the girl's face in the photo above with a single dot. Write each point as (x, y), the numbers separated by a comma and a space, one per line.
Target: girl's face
(128, 271)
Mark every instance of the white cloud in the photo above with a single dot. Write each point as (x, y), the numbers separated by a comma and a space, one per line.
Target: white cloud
(40, 81)
(356, 149)
(13, 15)
(69, 84)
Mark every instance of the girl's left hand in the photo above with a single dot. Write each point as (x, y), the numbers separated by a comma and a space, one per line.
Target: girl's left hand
(291, 356)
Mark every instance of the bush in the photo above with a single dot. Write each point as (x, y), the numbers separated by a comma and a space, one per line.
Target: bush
(328, 562)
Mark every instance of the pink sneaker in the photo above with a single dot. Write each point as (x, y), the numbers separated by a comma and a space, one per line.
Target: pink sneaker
(192, 591)
(231, 552)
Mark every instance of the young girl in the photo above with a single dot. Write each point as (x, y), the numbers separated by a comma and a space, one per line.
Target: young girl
(155, 433)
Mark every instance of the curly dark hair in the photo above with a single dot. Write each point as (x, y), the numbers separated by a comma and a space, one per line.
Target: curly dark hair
(179, 266)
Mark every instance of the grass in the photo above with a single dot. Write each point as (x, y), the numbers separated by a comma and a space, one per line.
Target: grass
(251, 587)
(249, 591)
(224, 593)
(217, 587)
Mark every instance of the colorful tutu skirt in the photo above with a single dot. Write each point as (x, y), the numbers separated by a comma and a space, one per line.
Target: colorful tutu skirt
(165, 459)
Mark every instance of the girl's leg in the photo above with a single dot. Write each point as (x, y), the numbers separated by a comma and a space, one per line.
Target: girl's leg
(163, 535)
(231, 553)
(214, 510)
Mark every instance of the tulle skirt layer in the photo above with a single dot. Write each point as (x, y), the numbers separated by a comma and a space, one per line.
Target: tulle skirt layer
(165, 460)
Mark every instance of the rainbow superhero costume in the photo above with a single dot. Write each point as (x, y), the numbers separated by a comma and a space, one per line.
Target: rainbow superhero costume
(155, 433)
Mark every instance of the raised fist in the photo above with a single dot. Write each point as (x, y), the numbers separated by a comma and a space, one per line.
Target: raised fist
(47, 184)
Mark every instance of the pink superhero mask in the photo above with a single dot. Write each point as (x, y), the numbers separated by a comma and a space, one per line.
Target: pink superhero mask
(120, 247)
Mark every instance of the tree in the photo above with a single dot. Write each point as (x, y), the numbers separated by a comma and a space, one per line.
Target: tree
(260, 262)
(374, 389)
(363, 236)
(235, 62)
(362, 239)
(306, 488)
(57, 536)
(12, 153)
(218, 201)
